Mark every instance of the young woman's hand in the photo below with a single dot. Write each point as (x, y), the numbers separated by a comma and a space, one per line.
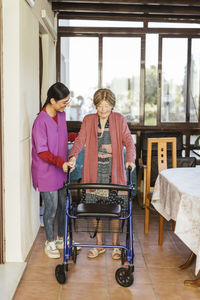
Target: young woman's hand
(131, 165)
(72, 163)
(65, 167)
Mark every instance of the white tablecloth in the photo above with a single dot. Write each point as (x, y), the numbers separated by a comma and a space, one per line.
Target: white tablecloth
(177, 196)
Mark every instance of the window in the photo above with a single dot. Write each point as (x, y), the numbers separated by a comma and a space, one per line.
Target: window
(121, 73)
(151, 79)
(194, 91)
(174, 80)
(80, 73)
(99, 23)
(172, 25)
(155, 74)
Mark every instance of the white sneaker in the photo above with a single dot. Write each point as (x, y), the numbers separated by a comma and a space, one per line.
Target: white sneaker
(60, 244)
(51, 250)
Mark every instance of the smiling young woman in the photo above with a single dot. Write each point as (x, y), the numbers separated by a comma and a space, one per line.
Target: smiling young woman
(49, 163)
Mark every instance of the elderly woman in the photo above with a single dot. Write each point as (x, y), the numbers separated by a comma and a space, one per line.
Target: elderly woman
(104, 134)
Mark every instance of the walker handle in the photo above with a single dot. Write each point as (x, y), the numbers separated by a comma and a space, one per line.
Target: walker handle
(68, 175)
(129, 175)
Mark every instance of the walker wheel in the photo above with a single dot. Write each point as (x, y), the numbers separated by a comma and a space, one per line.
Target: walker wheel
(124, 277)
(60, 274)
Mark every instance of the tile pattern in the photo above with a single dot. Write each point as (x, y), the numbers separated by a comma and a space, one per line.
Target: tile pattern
(156, 275)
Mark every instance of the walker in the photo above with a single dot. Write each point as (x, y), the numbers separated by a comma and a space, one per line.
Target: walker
(80, 218)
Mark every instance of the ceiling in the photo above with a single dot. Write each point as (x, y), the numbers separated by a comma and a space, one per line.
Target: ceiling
(179, 10)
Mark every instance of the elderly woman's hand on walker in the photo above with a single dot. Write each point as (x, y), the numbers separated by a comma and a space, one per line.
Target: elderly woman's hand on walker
(72, 163)
(131, 165)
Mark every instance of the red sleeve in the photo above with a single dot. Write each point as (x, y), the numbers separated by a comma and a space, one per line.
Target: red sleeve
(72, 136)
(51, 159)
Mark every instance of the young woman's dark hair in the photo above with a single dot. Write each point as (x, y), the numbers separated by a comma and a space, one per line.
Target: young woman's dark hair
(57, 91)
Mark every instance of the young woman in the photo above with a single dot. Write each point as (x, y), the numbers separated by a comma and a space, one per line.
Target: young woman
(49, 163)
(104, 136)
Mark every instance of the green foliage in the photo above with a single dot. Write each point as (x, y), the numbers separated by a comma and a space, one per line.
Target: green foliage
(151, 85)
(151, 96)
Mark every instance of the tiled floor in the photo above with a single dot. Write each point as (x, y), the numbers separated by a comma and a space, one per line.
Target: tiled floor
(156, 274)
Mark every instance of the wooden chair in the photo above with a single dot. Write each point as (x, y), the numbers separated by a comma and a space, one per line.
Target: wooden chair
(162, 165)
(182, 162)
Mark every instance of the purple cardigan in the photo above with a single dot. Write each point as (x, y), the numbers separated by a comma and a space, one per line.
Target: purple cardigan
(120, 137)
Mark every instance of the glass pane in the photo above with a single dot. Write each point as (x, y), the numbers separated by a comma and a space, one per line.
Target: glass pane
(195, 80)
(172, 25)
(174, 76)
(79, 71)
(151, 74)
(100, 23)
(195, 152)
(121, 73)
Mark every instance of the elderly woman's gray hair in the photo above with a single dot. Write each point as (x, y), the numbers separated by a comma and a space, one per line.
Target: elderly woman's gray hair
(104, 94)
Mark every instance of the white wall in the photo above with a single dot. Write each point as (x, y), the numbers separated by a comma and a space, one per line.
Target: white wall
(21, 27)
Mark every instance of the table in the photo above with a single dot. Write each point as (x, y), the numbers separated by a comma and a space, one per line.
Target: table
(177, 196)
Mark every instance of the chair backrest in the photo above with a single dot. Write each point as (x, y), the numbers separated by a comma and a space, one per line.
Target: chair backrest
(162, 156)
(145, 135)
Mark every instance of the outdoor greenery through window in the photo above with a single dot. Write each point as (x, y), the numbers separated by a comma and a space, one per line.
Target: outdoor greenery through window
(174, 79)
(151, 79)
(194, 92)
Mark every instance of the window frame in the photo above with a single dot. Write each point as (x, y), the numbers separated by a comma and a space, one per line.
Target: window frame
(187, 128)
(189, 41)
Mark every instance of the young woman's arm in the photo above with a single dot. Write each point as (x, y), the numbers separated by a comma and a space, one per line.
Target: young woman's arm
(50, 158)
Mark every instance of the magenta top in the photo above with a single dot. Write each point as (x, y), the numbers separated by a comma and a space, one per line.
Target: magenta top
(120, 136)
(47, 135)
